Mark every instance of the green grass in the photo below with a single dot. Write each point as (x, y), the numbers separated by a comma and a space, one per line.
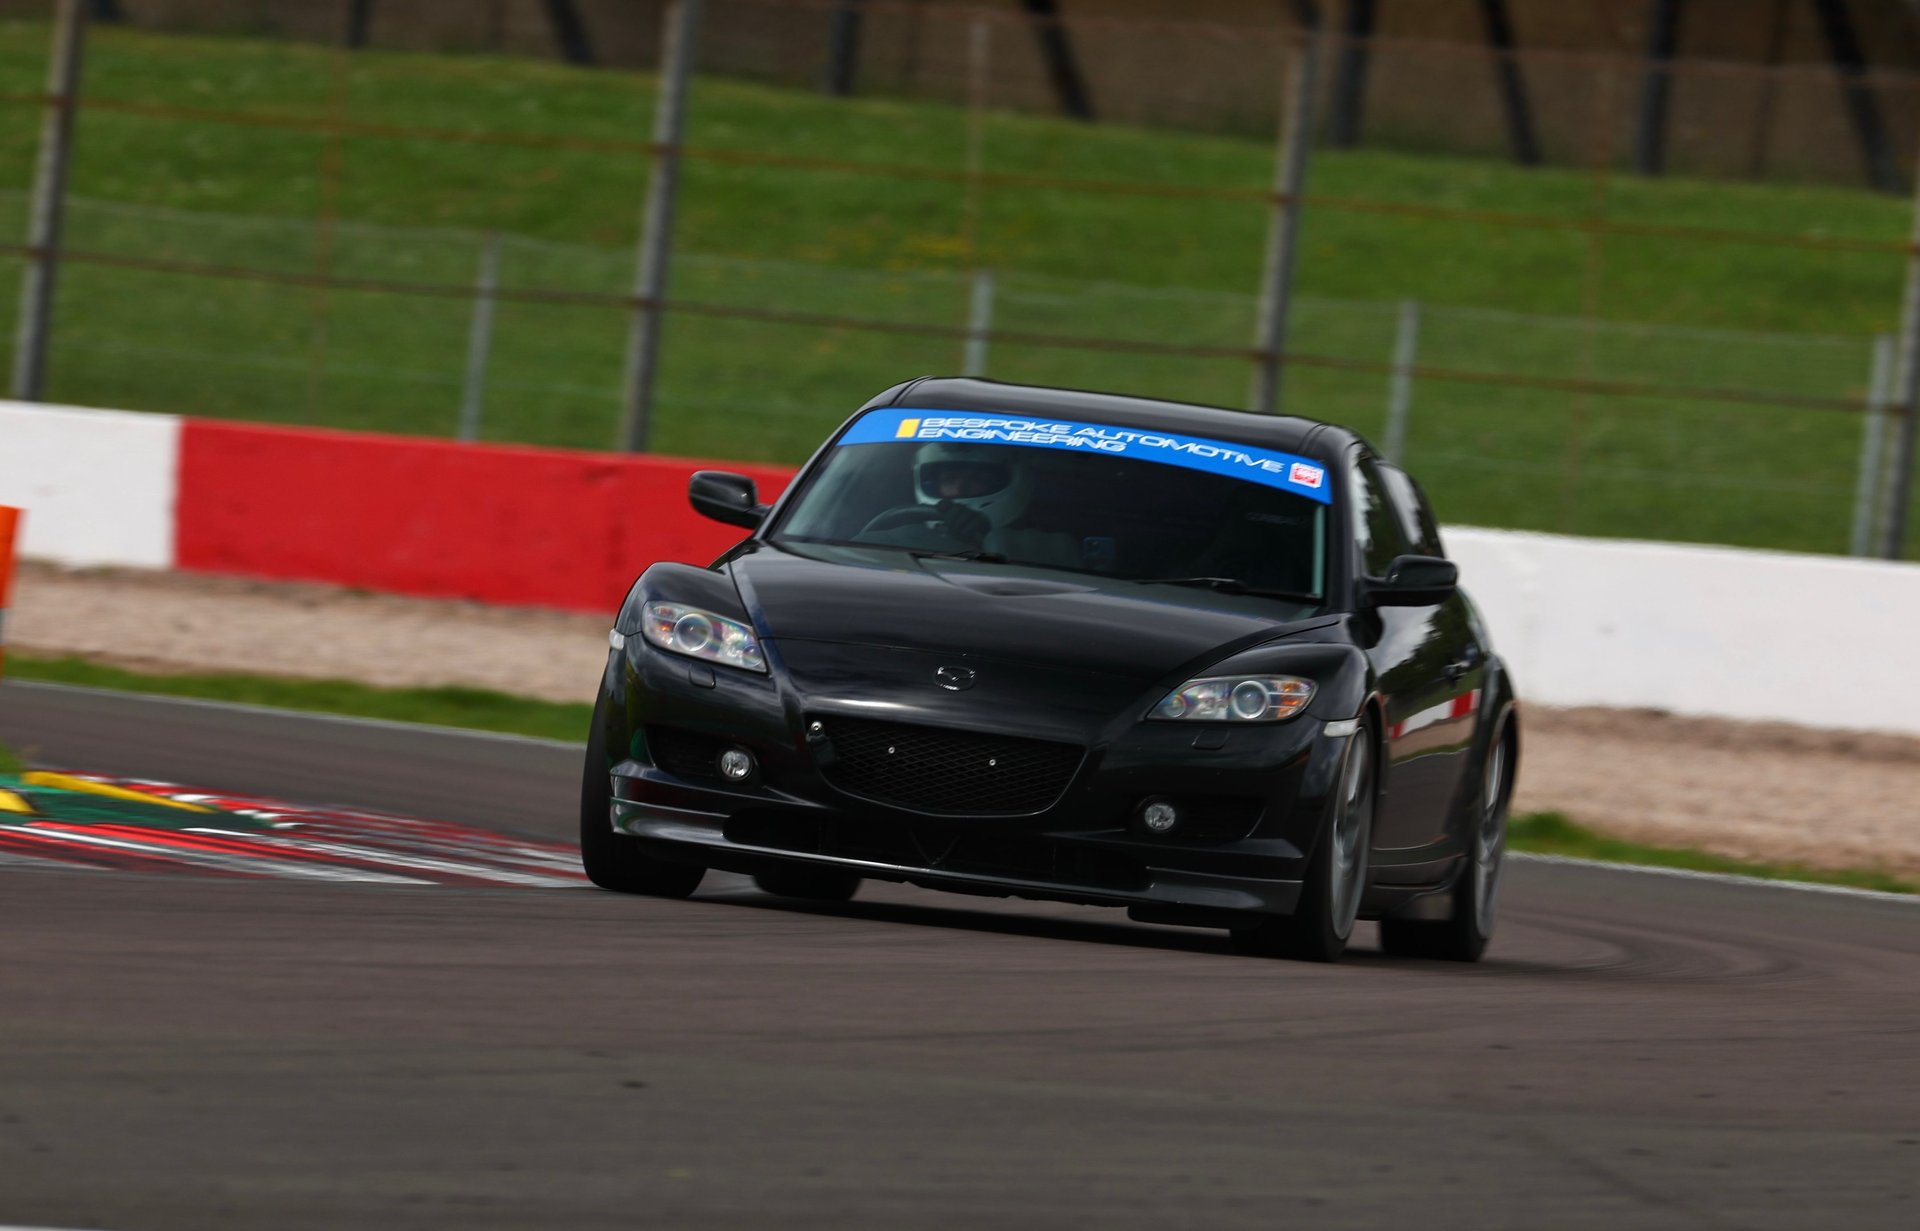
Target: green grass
(476, 708)
(1547, 833)
(1550, 833)
(881, 248)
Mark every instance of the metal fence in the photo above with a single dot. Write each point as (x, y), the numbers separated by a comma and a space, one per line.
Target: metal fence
(446, 244)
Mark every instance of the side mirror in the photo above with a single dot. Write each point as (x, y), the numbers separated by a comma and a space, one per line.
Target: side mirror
(1413, 581)
(731, 498)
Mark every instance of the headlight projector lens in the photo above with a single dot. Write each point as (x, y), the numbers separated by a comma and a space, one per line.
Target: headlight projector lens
(692, 633)
(1249, 700)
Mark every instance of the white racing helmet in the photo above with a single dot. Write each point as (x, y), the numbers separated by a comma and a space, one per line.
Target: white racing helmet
(990, 480)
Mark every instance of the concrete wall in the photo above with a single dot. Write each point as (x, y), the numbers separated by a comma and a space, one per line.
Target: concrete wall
(99, 485)
(1821, 640)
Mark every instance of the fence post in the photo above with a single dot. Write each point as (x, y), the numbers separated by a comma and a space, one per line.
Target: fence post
(49, 202)
(979, 323)
(680, 32)
(1406, 351)
(473, 393)
(843, 49)
(1906, 401)
(979, 94)
(1866, 493)
(1289, 179)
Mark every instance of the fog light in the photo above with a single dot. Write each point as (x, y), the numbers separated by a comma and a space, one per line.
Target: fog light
(1159, 816)
(736, 765)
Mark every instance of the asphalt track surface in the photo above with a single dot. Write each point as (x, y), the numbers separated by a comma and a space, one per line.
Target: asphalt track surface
(185, 1052)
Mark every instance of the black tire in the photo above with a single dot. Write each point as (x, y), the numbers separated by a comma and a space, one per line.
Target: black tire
(1463, 936)
(613, 860)
(1323, 920)
(813, 884)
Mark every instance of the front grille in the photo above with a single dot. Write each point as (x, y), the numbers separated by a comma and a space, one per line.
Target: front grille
(941, 849)
(954, 773)
(686, 754)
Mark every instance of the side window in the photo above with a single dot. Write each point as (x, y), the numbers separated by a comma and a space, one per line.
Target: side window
(1416, 516)
(1377, 528)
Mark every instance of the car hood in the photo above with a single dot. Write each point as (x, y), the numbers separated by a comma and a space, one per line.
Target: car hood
(1046, 617)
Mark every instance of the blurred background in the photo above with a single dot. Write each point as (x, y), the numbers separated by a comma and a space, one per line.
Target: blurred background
(1608, 267)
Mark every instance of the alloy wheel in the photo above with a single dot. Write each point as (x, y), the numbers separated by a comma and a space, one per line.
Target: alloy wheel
(1351, 831)
(1490, 840)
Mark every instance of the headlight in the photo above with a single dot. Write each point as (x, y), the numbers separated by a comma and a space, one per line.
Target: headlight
(1236, 698)
(702, 634)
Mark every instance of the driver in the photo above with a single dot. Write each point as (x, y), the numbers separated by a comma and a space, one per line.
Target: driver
(983, 493)
(979, 491)
(976, 496)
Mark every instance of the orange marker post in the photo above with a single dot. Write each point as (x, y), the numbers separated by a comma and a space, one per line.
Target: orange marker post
(9, 522)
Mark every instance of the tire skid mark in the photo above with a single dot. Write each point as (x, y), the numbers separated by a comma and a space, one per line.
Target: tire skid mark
(258, 837)
(1698, 956)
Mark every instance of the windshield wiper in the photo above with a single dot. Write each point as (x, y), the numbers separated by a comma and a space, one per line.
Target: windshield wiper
(982, 557)
(1228, 585)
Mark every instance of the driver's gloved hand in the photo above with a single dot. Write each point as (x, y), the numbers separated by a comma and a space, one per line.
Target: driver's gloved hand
(966, 525)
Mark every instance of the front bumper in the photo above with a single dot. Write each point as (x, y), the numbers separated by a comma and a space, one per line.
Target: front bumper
(1271, 783)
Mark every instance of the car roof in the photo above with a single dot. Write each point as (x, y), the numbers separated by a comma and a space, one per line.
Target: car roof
(1289, 433)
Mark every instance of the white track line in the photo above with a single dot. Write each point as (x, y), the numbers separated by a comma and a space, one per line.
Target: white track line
(383, 724)
(1721, 878)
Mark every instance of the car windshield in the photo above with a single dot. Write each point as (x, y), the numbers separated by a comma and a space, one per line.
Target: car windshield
(1138, 506)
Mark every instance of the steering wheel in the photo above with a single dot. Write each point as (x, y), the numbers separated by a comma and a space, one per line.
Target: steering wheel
(905, 515)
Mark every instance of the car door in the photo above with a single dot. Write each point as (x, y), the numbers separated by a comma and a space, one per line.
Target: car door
(1425, 660)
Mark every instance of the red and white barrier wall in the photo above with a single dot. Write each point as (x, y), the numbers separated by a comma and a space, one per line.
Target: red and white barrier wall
(9, 524)
(497, 523)
(1696, 630)
(502, 524)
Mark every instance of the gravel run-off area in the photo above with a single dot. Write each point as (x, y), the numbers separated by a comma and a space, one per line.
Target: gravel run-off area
(1750, 790)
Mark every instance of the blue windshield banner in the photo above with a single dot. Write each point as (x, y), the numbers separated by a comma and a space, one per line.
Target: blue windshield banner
(1300, 475)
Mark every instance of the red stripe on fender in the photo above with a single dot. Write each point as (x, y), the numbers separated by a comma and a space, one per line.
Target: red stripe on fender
(502, 524)
(1465, 704)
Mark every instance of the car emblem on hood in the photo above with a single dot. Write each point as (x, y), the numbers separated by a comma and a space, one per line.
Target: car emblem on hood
(954, 679)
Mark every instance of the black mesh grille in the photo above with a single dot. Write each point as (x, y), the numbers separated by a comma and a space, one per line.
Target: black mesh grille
(686, 754)
(956, 773)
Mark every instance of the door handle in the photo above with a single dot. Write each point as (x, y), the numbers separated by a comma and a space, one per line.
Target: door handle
(1459, 667)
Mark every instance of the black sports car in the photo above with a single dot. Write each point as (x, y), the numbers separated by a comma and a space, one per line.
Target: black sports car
(1209, 666)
